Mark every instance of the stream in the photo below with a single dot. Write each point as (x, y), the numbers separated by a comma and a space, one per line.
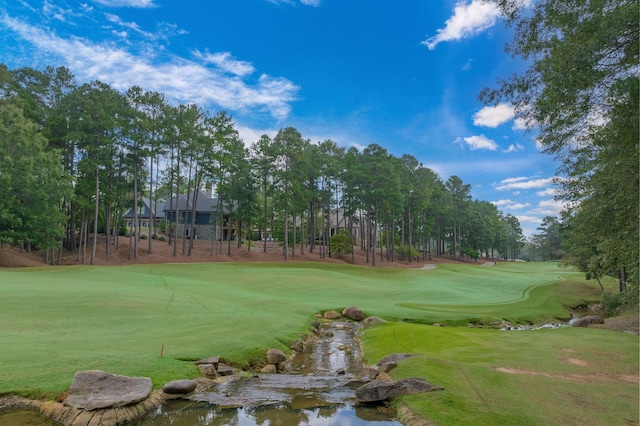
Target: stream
(317, 388)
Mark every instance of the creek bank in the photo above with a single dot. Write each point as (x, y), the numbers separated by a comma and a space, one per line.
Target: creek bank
(325, 372)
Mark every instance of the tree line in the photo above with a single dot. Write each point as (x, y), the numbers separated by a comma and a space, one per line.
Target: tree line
(581, 95)
(74, 157)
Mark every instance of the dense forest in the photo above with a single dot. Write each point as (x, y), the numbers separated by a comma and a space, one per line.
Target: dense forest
(77, 156)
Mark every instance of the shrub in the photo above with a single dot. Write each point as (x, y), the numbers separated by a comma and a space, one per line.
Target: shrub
(611, 303)
(341, 243)
(143, 236)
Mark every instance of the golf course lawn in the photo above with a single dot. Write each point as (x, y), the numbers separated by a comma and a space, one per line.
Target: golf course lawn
(55, 321)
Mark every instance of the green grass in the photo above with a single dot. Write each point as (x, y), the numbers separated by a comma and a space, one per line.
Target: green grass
(549, 389)
(55, 321)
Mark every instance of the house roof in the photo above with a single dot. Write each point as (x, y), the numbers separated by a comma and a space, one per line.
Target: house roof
(204, 203)
(156, 208)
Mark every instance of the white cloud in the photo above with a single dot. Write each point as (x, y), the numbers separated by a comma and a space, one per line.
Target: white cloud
(250, 135)
(523, 183)
(115, 19)
(547, 192)
(514, 148)
(180, 79)
(225, 62)
(519, 124)
(529, 219)
(314, 3)
(493, 116)
(549, 207)
(510, 205)
(479, 142)
(143, 4)
(466, 21)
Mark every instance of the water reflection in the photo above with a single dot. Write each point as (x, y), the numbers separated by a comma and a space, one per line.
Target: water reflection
(188, 414)
(24, 418)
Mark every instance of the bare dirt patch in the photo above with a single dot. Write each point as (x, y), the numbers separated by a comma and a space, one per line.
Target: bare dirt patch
(582, 378)
(576, 361)
(122, 252)
(13, 258)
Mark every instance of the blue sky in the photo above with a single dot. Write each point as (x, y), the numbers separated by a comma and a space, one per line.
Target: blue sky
(404, 74)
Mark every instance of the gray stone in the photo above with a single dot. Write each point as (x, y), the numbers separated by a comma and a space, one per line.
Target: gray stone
(225, 370)
(297, 346)
(387, 366)
(379, 390)
(180, 387)
(275, 356)
(394, 358)
(371, 321)
(208, 371)
(353, 313)
(589, 319)
(94, 389)
(331, 315)
(213, 360)
(269, 369)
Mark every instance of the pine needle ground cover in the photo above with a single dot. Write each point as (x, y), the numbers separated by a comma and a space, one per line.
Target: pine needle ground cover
(57, 321)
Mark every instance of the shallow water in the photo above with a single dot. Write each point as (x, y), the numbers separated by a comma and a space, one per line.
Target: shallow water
(188, 414)
(316, 389)
(24, 418)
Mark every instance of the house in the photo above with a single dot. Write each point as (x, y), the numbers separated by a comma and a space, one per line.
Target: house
(207, 217)
(148, 213)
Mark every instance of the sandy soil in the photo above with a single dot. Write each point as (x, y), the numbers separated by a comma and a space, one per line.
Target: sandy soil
(162, 252)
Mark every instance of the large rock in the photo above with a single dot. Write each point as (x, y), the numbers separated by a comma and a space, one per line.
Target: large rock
(371, 321)
(275, 356)
(179, 387)
(331, 315)
(395, 358)
(589, 319)
(353, 313)
(380, 390)
(95, 389)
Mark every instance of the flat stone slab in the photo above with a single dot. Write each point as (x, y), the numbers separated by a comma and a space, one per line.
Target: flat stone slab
(213, 360)
(95, 389)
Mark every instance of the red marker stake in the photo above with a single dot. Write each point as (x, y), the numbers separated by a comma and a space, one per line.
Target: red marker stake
(161, 350)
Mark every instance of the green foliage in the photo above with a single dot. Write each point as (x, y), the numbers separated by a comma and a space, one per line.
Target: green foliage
(341, 243)
(405, 253)
(472, 253)
(581, 95)
(611, 303)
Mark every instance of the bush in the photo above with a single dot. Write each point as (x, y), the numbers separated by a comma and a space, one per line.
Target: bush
(143, 236)
(611, 303)
(341, 243)
(415, 253)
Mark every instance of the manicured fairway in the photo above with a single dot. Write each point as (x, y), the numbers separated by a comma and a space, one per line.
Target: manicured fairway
(55, 321)
(568, 376)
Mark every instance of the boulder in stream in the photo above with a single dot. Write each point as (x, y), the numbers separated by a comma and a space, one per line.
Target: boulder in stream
(180, 387)
(589, 319)
(381, 390)
(275, 356)
(353, 313)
